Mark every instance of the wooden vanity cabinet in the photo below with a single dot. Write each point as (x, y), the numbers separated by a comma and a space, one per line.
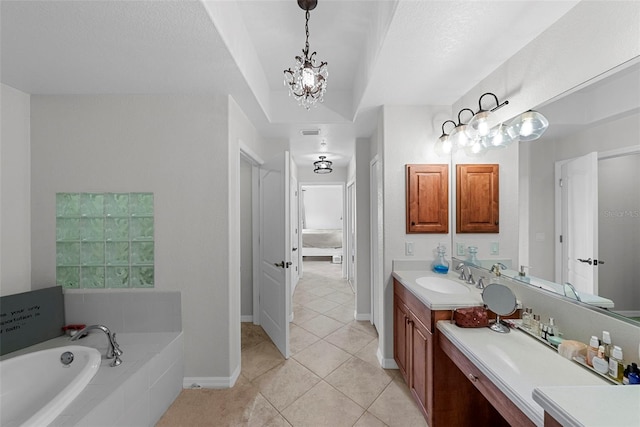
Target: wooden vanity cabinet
(477, 198)
(444, 395)
(427, 199)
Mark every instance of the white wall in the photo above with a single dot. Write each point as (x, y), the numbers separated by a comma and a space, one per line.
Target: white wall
(408, 136)
(172, 146)
(323, 206)
(15, 203)
(306, 174)
(591, 38)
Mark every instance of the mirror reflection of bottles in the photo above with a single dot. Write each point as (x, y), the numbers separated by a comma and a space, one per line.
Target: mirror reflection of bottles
(440, 264)
(472, 255)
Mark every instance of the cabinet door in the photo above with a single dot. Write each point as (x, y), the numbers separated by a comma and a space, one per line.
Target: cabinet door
(477, 198)
(400, 335)
(420, 383)
(427, 198)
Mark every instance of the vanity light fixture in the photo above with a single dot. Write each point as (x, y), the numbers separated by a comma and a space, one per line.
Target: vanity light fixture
(530, 125)
(307, 81)
(479, 125)
(477, 135)
(322, 166)
(443, 144)
(458, 136)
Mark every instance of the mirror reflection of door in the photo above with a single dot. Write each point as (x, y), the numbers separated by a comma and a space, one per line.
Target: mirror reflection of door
(579, 229)
(619, 231)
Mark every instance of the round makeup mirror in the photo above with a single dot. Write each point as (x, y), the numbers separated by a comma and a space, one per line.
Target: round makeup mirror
(502, 301)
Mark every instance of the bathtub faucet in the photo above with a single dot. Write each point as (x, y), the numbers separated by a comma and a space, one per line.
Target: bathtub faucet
(113, 352)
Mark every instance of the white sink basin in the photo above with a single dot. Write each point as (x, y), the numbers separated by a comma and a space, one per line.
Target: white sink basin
(442, 285)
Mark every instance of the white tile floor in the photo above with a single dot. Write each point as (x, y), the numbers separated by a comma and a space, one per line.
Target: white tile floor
(332, 379)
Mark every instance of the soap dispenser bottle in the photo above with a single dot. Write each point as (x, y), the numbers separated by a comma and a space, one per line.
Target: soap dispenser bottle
(522, 276)
(440, 264)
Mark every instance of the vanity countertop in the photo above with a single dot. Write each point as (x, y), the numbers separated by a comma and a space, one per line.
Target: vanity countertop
(518, 365)
(436, 300)
(609, 406)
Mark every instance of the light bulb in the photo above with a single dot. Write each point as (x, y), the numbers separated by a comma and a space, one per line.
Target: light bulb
(308, 77)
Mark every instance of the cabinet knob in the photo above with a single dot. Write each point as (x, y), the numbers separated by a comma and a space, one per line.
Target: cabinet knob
(473, 378)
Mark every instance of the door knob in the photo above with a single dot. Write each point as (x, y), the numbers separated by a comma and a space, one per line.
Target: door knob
(279, 264)
(588, 261)
(294, 249)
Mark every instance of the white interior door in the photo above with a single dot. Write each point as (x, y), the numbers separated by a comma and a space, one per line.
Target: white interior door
(295, 236)
(351, 238)
(579, 188)
(376, 256)
(275, 251)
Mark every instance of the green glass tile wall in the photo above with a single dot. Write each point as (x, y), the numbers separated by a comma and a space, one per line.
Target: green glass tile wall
(104, 240)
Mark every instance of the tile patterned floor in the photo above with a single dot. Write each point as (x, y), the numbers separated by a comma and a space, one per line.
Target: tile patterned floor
(332, 379)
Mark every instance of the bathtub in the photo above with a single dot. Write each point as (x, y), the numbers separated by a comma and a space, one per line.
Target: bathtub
(37, 387)
(136, 393)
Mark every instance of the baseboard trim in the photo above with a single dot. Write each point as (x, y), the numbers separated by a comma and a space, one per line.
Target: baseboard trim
(246, 318)
(386, 363)
(211, 382)
(362, 316)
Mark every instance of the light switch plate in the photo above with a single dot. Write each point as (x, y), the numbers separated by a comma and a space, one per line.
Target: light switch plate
(495, 248)
(460, 249)
(408, 248)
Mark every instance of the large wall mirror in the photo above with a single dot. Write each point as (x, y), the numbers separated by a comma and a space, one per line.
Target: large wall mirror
(578, 208)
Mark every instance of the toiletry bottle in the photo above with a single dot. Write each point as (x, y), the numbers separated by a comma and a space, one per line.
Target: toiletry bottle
(551, 328)
(625, 375)
(544, 331)
(535, 325)
(634, 374)
(522, 276)
(592, 350)
(440, 264)
(599, 364)
(616, 364)
(526, 319)
(606, 342)
(472, 255)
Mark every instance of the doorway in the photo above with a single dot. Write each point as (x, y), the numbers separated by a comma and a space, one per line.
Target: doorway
(322, 223)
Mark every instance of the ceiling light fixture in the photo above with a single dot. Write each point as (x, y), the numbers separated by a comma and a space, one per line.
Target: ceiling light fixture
(307, 81)
(322, 166)
(478, 135)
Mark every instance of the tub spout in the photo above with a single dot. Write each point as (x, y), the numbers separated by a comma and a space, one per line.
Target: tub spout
(113, 352)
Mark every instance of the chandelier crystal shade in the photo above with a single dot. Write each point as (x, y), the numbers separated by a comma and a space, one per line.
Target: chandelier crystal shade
(307, 81)
(323, 166)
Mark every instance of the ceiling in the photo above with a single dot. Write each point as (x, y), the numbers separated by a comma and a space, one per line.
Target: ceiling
(379, 52)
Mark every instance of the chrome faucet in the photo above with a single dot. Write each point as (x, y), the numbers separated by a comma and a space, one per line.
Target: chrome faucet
(574, 294)
(495, 268)
(480, 284)
(113, 352)
(463, 275)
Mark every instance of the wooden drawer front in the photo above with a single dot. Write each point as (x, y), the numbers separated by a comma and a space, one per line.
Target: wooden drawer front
(511, 413)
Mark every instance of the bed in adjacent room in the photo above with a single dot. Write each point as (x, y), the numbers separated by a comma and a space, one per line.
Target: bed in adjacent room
(317, 242)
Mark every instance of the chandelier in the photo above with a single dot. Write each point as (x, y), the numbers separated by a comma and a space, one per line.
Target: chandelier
(322, 165)
(307, 81)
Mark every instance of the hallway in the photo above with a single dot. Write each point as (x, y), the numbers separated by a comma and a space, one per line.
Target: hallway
(332, 379)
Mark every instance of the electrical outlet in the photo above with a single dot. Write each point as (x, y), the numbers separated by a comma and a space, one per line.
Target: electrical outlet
(495, 248)
(460, 249)
(408, 248)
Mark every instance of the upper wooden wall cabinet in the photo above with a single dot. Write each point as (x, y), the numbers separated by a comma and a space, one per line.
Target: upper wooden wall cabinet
(427, 199)
(477, 198)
